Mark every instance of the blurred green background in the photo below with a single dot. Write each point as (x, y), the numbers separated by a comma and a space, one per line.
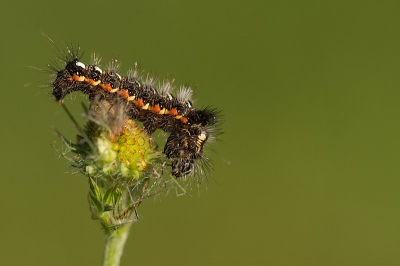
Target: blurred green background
(307, 172)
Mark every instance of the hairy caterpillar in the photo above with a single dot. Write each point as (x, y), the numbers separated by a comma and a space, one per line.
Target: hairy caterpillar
(189, 128)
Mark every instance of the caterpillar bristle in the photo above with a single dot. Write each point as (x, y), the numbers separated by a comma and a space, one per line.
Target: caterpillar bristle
(135, 73)
(150, 80)
(166, 87)
(114, 65)
(95, 59)
(184, 94)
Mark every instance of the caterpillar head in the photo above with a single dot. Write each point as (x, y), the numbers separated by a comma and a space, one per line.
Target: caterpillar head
(207, 117)
(66, 81)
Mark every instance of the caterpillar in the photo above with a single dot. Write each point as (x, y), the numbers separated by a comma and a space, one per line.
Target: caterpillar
(157, 108)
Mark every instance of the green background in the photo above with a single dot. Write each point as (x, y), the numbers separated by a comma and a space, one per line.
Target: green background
(307, 172)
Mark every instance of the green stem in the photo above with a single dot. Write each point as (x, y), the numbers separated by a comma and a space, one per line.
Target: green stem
(114, 244)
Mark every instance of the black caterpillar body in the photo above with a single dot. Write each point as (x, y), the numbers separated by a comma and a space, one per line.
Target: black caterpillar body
(189, 128)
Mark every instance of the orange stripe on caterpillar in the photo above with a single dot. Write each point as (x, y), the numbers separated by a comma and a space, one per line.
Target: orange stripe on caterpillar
(106, 87)
(155, 109)
(78, 78)
(172, 112)
(92, 82)
(124, 93)
(138, 103)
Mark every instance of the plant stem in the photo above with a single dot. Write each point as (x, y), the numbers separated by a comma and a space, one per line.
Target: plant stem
(114, 244)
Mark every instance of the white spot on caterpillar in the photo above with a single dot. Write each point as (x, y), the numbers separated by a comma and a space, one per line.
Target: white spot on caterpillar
(202, 136)
(98, 69)
(80, 64)
(145, 107)
(118, 76)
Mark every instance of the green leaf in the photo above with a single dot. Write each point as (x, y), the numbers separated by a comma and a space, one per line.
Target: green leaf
(107, 208)
(109, 195)
(94, 188)
(94, 201)
(117, 196)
